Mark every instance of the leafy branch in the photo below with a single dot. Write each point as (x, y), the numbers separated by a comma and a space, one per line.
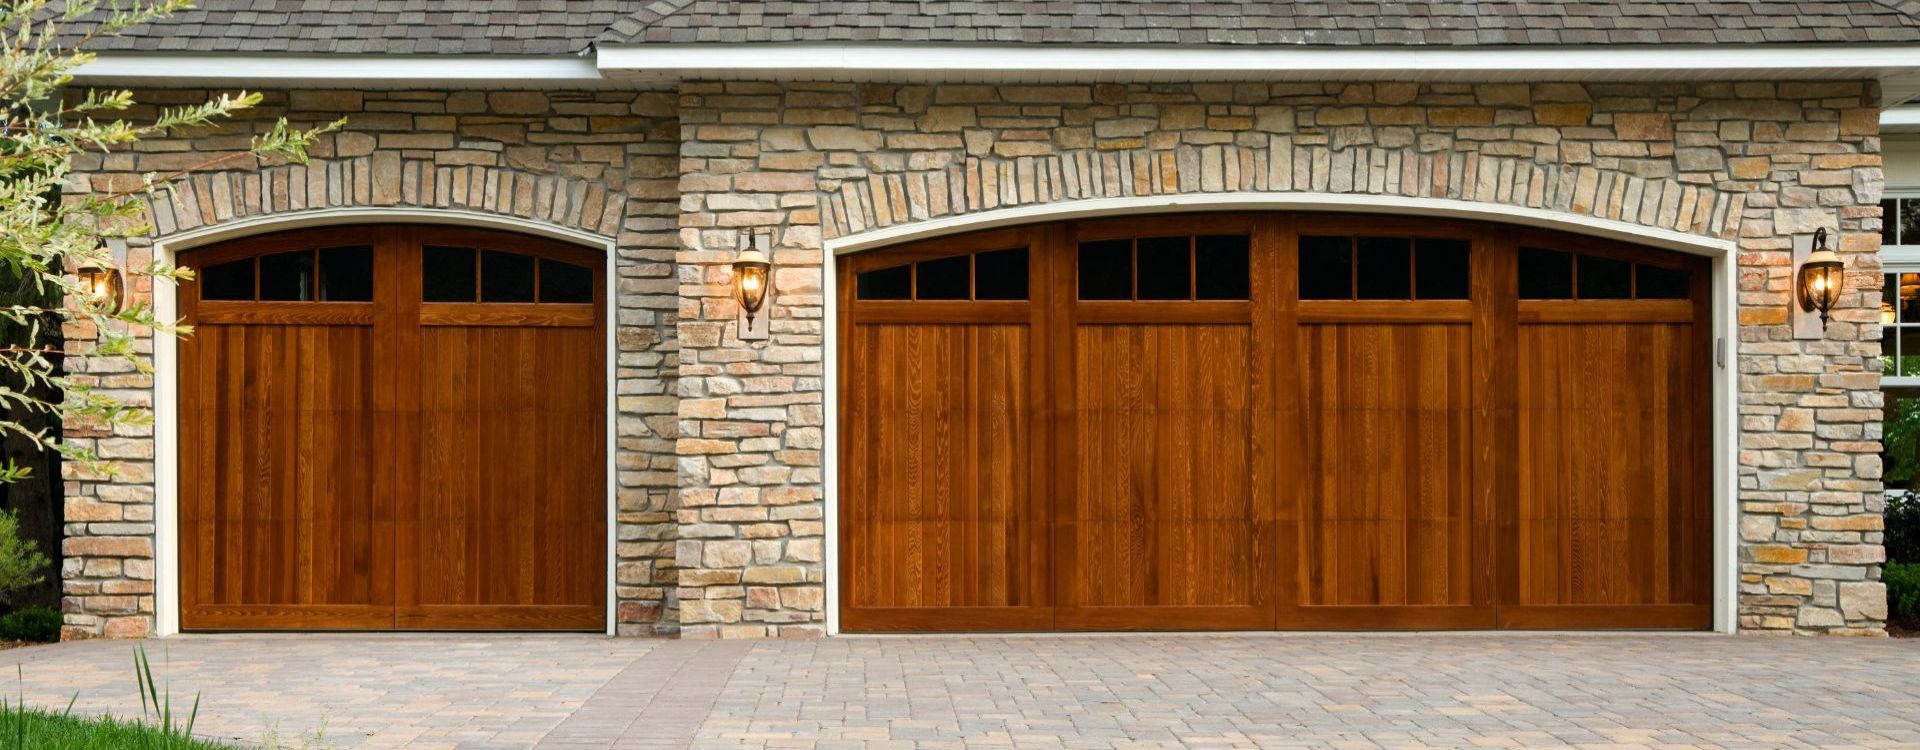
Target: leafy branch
(54, 221)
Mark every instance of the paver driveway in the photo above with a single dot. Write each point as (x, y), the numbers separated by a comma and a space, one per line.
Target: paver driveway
(1347, 691)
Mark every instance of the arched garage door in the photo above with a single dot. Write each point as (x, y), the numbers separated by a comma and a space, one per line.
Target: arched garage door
(1268, 421)
(393, 427)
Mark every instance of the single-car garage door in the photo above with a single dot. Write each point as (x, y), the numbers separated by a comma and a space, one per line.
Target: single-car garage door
(393, 427)
(1273, 421)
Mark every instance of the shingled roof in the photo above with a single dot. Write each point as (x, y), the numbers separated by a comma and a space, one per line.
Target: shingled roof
(1273, 22)
(394, 27)
(556, 27)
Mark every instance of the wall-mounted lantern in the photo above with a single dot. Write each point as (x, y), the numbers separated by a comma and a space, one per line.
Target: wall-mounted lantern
(751, 278)
(1821, 279)
(102, 288)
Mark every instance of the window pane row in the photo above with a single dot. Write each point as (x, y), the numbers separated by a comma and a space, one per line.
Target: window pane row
(1558, 274)
(1900, 221)
(333, 274)
(1900, 314)
(993, 275)
(1182, 267)
(465, 274)
(1384, 268)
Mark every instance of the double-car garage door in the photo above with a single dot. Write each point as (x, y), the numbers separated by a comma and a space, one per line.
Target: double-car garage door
(1272, 421)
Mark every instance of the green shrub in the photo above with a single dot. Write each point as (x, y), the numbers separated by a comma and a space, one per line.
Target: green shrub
(1903, 528)
(1903, 591)
(20, 561)
(36, 624)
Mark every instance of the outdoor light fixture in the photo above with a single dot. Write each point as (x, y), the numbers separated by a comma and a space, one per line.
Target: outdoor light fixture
(750, 273)
(1822, 278)
(103, 288)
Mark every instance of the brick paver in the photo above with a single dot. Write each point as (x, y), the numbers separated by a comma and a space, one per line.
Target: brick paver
(1169, 691)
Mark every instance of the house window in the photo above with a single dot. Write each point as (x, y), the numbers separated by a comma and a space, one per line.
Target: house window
(1900, 342)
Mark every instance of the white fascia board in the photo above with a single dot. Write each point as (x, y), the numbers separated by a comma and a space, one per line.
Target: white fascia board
(1900, 119)
(1404, 63)
(256, 69)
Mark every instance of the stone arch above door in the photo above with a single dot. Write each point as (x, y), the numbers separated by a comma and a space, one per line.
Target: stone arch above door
(1279, 165)
(384, 180)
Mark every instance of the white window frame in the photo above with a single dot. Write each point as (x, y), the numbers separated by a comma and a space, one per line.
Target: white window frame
(1894, 259)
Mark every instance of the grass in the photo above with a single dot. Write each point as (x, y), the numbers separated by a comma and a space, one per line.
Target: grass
(159, 727)
(35, 728)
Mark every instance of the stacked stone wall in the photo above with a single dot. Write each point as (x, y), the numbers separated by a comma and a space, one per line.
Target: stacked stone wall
(1756, 163)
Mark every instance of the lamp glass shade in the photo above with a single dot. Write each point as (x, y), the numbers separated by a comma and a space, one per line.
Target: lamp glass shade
(102, 287)
(1822, 279)
(750, 280)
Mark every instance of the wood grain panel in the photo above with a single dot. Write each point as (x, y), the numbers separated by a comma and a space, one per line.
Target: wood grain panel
(1163, 513)
(278, 505)
(939, 491)
(510, 512)
(342, 470)
(1612, 509)
(1386, 508)
(1277, 462)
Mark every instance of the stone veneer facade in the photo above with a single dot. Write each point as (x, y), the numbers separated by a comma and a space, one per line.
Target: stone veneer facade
(722, 518)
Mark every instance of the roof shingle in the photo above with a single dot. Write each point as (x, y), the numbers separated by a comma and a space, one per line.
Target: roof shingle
(394, 27)
(1272, 22)
(555, 27)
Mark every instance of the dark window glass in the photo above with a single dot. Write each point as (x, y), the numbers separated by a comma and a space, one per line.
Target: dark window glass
(565, 282)
(232, 280)
(287, 276)
(1909, 221)
(1889, 222)
(1221, 266)
(1106, 269)
(1440, 269)
(1605, 278)
(1385, 268)
(505, 277)
(1889, 293)
(1910, 298)
(1326, 267)
(1001, 274)
(886, 283)
(1909, 342)
(1655, 282)
(447, 274)
(1166, 270)
(1545, 274)
(346, 274)
(945, 278)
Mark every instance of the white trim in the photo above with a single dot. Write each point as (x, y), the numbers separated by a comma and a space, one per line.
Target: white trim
(166, 426)
(1725, 327)
(830, 437)
(258, 69)
(1070, 61)
(1282, 201)
(1726, 442)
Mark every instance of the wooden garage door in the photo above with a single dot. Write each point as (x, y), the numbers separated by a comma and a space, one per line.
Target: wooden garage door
(394, 427)
(1270, 421)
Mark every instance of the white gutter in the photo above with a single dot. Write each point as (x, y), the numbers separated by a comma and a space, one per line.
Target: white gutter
(1371, 62)
(256, 69)
(1897, 66)
(1901, 119)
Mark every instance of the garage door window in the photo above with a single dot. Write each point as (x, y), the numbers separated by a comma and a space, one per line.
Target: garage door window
(984, 276)
(465, 274)
(1382, 268)
(1558, 274)
(1172, 268)
(332, 274)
